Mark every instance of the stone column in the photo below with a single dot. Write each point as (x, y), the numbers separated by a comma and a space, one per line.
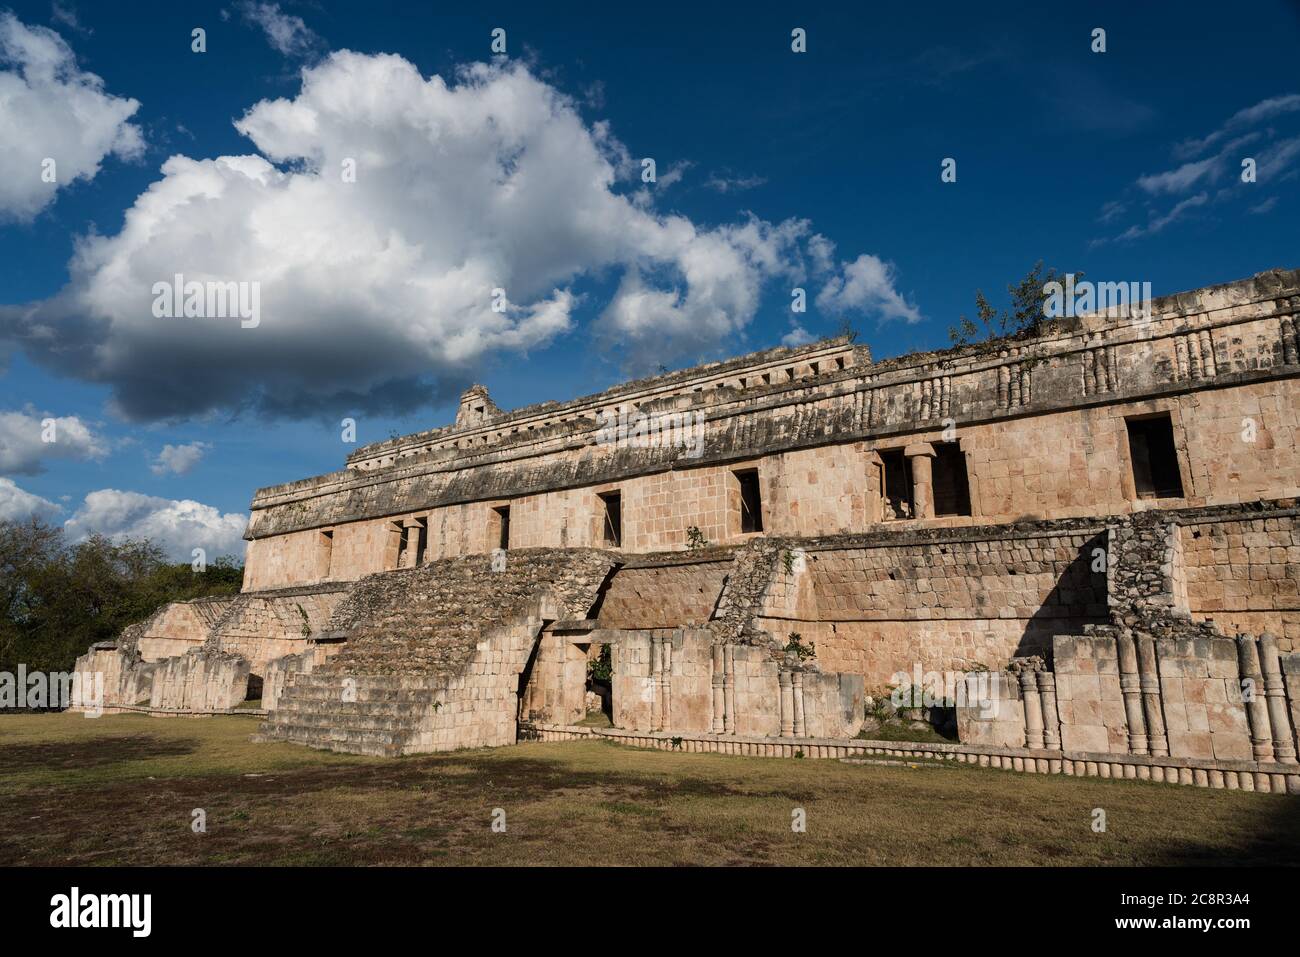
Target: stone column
(1271, 664)
(1291, 682)
(1051, 717)
(1208, 365)
(787, 703)
(1290, 354)
(665, 683)
(1130, 686)
(1033, 710)
(1149, 683)
(719, 704)
(1261, 735)
(920, 454)
(729, 689)
(796, 678)
(655, 663)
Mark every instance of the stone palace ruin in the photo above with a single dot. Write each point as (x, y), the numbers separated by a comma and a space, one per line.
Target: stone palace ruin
(1094, 529)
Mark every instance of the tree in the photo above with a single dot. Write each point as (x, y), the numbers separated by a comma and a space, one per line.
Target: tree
(1024, 318)
(58, 599)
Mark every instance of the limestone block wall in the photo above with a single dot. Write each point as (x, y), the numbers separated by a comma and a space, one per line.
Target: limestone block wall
(1089, 698)
(657, 509)
(200, 681)
(1201, 699)
(832, 704)
(759, 700)
(1195, 696)
(180, 626)
(556, 690)
(951, 603)
(664, 595)
(632, 688)
(127, 680)
(291, 559)
(1244, 574)
(278, 671)
(685, 681)
(264, 628)
(480, 705)
(990, 710)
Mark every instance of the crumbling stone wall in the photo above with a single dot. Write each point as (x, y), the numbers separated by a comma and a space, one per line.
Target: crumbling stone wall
(429, 619)
(270, 625)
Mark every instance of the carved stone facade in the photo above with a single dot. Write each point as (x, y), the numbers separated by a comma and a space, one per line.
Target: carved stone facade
(1091, 514)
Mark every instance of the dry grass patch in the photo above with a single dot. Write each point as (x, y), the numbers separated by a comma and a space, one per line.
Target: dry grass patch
(121, 789)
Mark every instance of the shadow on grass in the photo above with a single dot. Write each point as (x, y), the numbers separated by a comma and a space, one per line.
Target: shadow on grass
(91, 753)
(1272, 836)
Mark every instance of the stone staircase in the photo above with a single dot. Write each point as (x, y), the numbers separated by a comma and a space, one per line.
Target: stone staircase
(434, 653)
(386, 716)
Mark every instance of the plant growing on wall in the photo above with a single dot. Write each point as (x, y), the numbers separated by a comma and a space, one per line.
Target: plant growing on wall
(695, 538)
(799, 649)
(1025, 317)
(601, 668)
(306, 622)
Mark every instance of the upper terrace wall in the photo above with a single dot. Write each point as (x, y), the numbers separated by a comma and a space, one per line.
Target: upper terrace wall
(1040, 423)
(958, 602)
(179, 626)
(1073, 463)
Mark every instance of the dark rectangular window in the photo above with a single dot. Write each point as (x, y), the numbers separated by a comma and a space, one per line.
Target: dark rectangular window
(896, 488)
(951, 484)
(751, 502)
(613, 518)
(502, 522)
(1155, 460)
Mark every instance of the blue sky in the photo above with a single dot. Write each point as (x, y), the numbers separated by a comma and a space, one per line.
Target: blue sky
(775, 169)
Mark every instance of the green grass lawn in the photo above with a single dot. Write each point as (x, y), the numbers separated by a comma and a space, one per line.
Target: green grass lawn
(121, 789)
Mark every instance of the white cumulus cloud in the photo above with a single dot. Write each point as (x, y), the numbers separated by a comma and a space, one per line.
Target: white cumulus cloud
(867, 285)
(179, 459)
(18, 505)
(178, 526)
(379, 217)
(52, 111)
(28, 439)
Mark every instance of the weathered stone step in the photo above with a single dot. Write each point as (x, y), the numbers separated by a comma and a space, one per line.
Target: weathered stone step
(364, 741)
(352, 722)
(415, 709)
